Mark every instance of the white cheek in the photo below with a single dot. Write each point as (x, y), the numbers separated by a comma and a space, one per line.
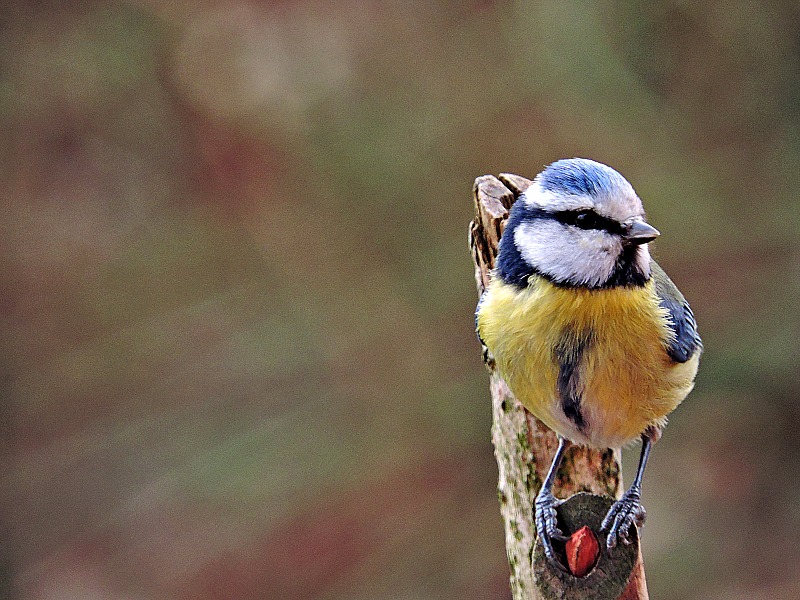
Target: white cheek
(567, 254)
(643, 260)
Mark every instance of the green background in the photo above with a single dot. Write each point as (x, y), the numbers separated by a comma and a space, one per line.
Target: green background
(237, 357)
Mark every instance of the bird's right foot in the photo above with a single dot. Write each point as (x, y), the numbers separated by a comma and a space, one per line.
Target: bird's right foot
(547, 525)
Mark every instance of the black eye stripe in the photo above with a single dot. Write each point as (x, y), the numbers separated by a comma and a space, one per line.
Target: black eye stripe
(588, 219)
(584, 219)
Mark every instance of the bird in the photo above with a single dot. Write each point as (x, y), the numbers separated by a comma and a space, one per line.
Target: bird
(586, 329)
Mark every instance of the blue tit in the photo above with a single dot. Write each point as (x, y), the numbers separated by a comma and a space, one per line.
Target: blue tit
(586, 329)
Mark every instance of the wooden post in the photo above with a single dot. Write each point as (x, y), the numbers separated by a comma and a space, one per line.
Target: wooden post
(524, 448)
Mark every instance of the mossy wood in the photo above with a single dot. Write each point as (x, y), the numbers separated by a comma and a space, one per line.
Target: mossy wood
(524, 448)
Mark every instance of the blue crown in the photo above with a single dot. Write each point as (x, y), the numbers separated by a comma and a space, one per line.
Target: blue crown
(581, 176)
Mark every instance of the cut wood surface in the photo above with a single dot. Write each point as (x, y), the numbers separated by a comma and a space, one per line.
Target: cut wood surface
(524, 448)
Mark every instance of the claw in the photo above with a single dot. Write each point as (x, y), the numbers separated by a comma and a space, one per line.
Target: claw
(547, 526)
(625, 513)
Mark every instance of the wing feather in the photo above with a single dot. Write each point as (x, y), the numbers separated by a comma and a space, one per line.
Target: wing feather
(686, 341)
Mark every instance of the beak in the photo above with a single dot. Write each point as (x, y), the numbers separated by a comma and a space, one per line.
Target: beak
(639, 232)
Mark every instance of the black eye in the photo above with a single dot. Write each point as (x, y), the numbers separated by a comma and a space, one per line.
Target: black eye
(586, 219)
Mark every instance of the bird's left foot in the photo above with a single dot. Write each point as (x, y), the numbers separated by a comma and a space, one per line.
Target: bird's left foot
(623, 514)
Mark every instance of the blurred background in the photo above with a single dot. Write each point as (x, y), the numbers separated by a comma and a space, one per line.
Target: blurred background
(238, 357)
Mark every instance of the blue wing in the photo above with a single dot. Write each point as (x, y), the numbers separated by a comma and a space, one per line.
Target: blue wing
(687, 341)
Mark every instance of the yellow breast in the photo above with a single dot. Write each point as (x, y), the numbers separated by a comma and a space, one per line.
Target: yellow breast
(627, 380)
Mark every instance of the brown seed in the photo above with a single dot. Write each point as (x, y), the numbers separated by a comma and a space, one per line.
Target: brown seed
(582, 551)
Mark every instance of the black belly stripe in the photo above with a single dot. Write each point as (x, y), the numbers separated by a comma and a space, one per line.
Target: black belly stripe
(568, 354)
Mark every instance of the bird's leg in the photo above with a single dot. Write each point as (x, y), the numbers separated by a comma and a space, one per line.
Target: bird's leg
(628, 510)
(545, 508)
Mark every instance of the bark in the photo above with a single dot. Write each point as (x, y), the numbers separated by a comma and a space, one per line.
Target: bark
(524, 448)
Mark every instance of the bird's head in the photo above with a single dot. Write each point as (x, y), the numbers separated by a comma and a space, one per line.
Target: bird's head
(579, 224)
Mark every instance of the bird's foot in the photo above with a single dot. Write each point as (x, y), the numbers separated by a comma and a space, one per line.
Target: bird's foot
(547, 525)
(623, 514)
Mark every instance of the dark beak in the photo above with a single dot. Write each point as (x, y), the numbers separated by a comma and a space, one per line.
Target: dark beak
(639, 232)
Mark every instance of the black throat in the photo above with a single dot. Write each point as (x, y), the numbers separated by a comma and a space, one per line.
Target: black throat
(626, 273)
